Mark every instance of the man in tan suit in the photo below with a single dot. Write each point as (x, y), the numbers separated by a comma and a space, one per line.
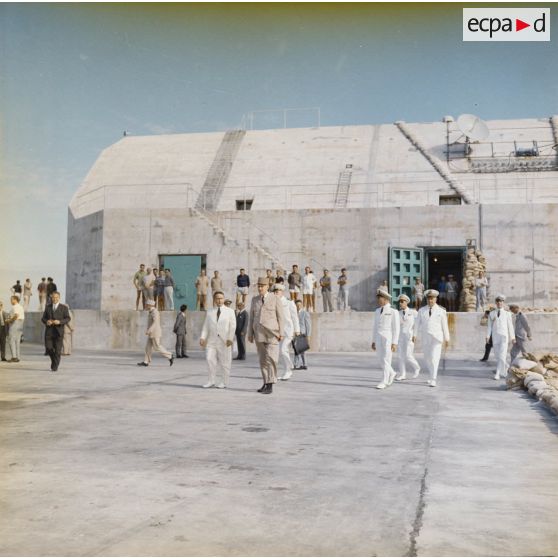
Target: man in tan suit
(154, 334)
(266, 328)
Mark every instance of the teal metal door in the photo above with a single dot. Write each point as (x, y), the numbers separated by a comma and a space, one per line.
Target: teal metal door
(185, 270)
(404, 264)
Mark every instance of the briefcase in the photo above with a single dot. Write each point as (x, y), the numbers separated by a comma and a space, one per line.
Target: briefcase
(300, 344)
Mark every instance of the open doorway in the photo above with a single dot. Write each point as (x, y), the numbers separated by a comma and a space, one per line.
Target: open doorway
(440, 264)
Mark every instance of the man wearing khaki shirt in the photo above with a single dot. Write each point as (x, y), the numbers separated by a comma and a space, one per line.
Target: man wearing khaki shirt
(266, 327)
(216, 284)
(154, 334)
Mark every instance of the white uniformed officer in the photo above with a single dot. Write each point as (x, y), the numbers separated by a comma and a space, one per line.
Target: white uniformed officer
(406, 347)
(432, 328)
(500, 326)
(386, 335)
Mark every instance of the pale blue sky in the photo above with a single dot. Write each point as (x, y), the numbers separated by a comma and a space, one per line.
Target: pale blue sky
(73, 77)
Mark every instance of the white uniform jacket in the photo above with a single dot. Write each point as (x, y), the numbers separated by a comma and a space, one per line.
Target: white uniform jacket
(501, 325)
(434, 324)
(290, 312)
(407, 322)
(217, 333)
(386, 325)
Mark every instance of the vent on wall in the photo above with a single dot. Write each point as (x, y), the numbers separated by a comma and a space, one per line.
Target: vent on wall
(450, 200)
(244, 205)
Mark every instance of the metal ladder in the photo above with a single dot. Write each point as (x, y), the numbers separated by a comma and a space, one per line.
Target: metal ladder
(220, 170)
(343, 187)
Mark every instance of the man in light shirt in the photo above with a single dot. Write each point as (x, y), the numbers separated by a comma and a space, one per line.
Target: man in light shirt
(291, 328)
(407, 318)
(15, 321)
(481, 282)
(217, 338)
(500, 327)
(432, 328)
(386, 335)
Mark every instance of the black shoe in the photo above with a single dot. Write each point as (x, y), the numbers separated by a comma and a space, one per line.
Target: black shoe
(303, 368)
(143, 364)
(185, 356)
(261, 390)
(268, 389)
(483, 360)
(171, 360)
(4, 360)
(53, 369)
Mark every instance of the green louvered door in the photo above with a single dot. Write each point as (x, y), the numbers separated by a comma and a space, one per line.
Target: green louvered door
(405, 264)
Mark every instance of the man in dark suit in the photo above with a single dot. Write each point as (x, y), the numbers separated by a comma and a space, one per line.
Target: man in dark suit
(241, 329)
(180, 331)
(50, 289)
(55, 317)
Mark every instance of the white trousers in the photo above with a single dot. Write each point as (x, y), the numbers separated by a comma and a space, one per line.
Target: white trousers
(432, 349)
(169, 301)
(405, 351)
(151, 344)
(500, 345)
(383, 348)
(219, 357)
(284, 356)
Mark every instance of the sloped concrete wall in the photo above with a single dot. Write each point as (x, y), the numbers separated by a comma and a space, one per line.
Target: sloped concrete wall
(331, 332)
(299, 168)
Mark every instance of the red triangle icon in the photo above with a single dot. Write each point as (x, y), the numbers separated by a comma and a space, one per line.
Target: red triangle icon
(519, 25)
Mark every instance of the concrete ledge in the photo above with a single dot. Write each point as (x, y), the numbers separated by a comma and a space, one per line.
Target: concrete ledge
(331, 332)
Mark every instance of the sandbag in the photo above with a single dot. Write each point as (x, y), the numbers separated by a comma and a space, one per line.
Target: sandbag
(520, 362)
(535, 386)
(533, 377)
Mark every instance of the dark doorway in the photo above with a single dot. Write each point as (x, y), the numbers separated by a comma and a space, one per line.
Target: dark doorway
(442, 262)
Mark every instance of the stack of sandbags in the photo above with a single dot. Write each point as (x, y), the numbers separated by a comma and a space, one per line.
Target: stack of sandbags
(474, 262)
(538, 374)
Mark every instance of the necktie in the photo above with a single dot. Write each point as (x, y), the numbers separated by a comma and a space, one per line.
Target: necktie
(404, 314)
(382, 310)
(430, 312)
(498, 313)
(218, 313)
(263, 299)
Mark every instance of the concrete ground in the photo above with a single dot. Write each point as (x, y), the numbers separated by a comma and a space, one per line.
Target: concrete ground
(106, 458)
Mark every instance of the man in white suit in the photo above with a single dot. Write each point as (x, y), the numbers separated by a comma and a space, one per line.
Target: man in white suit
(386, 335)
(292, 328)
(154, 334)
(407, 320)
(432, 328)
(500, 326)
(217, 337)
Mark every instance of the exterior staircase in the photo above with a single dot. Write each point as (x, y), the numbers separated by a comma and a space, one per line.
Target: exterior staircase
(209, 218)
(456, 186)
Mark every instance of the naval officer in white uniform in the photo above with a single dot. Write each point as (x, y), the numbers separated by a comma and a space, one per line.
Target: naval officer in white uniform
(292, 328)
(500, 326)
(386, 335)
(217, 337)
(406, 347)
(432, 328)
